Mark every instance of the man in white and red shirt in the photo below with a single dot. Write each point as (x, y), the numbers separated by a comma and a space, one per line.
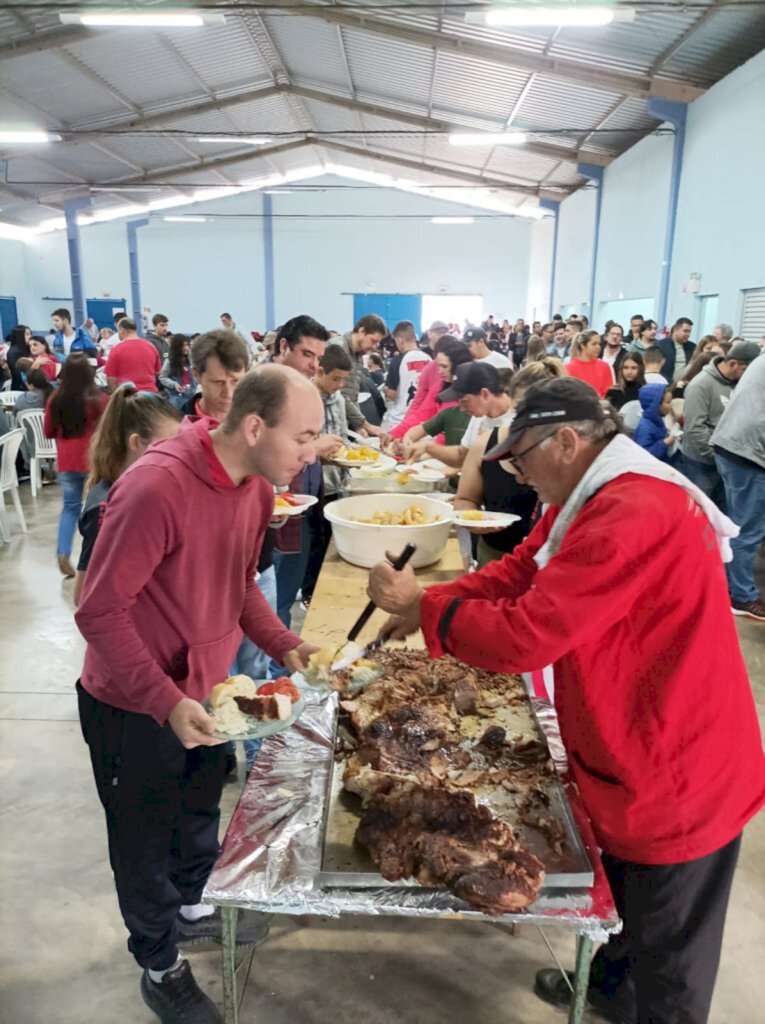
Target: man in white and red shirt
(405, 369)
(133, 361)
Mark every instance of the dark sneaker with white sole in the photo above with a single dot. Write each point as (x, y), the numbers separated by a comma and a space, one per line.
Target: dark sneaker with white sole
(251, 929)
(550, 986)
(177, 999)
(749, 609)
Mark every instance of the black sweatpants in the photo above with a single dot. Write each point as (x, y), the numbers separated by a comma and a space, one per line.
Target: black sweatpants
(162, 815)
(661, 969)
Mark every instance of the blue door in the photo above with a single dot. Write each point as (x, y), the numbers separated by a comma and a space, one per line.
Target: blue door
(391, 307)
(9, 318)
(101, 311)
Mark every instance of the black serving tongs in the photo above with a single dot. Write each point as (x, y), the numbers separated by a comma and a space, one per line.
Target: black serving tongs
(358, 651)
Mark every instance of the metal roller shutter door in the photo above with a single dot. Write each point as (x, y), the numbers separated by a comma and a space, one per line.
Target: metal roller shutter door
(753, 315)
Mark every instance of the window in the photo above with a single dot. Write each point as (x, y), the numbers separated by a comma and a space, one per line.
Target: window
(753, 315)
(454, 309)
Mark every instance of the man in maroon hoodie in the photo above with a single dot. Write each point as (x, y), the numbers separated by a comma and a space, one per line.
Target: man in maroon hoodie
(170, 592)
(621, 586)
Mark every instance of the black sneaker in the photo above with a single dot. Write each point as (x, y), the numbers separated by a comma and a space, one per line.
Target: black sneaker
(749, 609)
(251, 929)
(550, 986)
(177, 999)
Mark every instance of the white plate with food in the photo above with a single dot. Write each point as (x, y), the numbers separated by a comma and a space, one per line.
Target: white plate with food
(288, 504)
(434, 464)
(352, 456)
(479, 519)
(318, 674)
(248, 709)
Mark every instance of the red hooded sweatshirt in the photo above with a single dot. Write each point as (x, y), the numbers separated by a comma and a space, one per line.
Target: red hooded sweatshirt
(652, 693)
(171, 582)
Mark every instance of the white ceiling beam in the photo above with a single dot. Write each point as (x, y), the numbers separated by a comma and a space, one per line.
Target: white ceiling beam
(439, 124)
(456, 173)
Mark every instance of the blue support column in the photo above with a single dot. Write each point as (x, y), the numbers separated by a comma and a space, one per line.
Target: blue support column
(71, 209)
(135, 278)
(595, 174)
(674, 113)
(554, 205)
(268, 261)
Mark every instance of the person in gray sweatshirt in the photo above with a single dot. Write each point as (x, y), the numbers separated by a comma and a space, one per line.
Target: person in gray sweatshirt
(739, 447)
(706, 397)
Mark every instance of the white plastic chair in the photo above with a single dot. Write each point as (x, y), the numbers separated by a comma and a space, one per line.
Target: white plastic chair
(9, 397)
(6, 385)
(9, 481)
(40, 446)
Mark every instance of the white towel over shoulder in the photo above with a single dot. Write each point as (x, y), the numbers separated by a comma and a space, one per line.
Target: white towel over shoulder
(621, 456)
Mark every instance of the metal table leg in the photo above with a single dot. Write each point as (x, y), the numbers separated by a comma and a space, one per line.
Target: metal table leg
(229, 917)
(581, 979)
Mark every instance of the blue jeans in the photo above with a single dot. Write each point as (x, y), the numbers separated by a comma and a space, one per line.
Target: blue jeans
(290, 570)
(745, 492)
(71, 490)
(707, 479)
(251, 661)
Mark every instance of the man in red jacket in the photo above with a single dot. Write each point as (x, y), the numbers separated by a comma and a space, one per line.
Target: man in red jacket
(170, 591)
(621, 586)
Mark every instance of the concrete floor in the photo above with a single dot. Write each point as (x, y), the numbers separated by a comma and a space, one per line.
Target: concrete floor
(62, 943)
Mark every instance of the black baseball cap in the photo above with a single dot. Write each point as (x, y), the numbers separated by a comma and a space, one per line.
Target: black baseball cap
(470, 379)
(474, 334)
(550, 403)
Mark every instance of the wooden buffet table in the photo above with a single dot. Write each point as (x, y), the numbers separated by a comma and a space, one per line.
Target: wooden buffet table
(264, 852)
(341, 594)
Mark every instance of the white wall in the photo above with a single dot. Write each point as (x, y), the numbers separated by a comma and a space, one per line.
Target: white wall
(720, 229)
(721, 215)
(540, 267)
(635, 206)
(575, 234)
(325, 244)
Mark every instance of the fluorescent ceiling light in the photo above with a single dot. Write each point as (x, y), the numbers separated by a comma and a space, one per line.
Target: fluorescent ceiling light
(185, 220)
(487, 138)
(553, 16)
(452, 220)
(245, 140)
(277, 192)
(143, 19)
(26, 137)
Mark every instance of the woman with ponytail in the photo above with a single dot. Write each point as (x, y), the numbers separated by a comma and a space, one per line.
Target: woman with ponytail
(131, 422)
(175, 375)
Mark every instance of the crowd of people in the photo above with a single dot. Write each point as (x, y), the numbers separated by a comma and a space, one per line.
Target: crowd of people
(162, 437)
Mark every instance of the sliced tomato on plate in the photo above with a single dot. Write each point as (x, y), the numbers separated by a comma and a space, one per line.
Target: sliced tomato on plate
(285, 686)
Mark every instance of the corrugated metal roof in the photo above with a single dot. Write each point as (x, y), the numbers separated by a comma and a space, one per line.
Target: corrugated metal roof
(470, 86)
(140, 69)
(156, 73)
(310, 49)
(48, 82)
(551, 103)
(389, 68)
(719, 46)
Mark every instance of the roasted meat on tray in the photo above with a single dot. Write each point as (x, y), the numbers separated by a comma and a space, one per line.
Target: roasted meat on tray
(443, 838)
(429, 743)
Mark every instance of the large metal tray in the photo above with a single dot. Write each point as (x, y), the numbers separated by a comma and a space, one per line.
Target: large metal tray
(345, 863)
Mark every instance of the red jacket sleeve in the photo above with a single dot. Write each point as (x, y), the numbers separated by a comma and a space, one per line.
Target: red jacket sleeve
(504, 624)
(113, 583)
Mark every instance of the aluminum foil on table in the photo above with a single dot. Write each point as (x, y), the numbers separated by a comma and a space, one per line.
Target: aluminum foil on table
(272, 851)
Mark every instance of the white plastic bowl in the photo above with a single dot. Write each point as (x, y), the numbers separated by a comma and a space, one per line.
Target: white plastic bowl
(365, 545)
